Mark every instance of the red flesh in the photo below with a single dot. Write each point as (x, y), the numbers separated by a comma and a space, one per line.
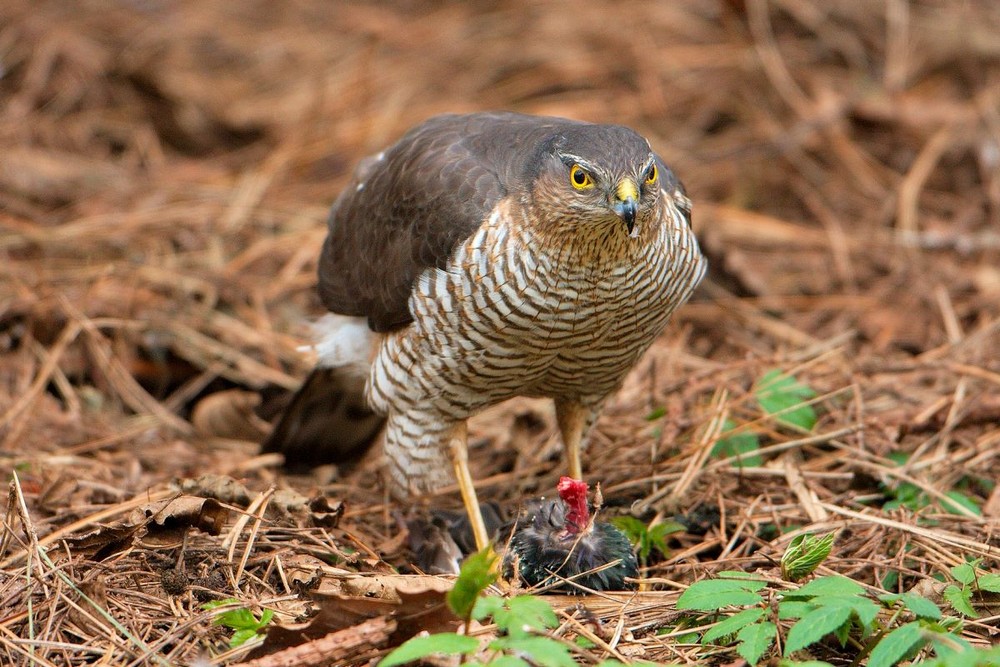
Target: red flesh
(573, 492)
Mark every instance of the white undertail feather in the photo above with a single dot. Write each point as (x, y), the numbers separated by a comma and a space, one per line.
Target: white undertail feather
(343, 342)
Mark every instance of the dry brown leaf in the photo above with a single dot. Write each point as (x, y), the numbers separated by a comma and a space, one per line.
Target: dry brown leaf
(221, 487)
(105, 540)
(167, 520)
(230, 414)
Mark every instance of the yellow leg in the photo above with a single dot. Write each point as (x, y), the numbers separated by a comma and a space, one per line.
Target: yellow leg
(460, 457)
(572, 418)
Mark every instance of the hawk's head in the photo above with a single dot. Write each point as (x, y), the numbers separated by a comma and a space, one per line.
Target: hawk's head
(597, 175)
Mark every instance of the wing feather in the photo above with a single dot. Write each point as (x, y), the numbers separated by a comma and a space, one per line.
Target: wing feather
(409, 207)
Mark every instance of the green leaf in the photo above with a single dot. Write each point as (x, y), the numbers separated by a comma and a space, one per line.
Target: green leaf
(779, 394)
(525, 611)
(659, 532)
(240, 637)
(538, 650)
(477, 573)
(805, 553)
(825, 586)
(989, 582)
(843, 633)
(656, 413)
(444, 643)
(755, 639)
(794, 609)
(964, 573)
(486, 606)
(960, 599)
(215, 604)
(956, 499)
(866, 610)
(949, 644)
(785, 662)
(508, 661)
(906, 495)
(968, 657)
(898, 645)
(236, 619)
(712, 594)
(739, 444)
(918, 604)
(733, 624)
(632, 527)
(814, 626)
(583, 642)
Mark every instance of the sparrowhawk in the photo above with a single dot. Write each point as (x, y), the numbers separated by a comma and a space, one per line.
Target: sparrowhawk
(481, 257)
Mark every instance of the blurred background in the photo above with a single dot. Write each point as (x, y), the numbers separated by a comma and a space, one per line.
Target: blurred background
(166, 167)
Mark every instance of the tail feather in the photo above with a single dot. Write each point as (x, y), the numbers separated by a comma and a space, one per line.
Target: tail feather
(328, 420)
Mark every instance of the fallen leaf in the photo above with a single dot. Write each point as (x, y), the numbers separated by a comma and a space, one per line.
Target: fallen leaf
(229, 414)
(167, 520)
(221, 487)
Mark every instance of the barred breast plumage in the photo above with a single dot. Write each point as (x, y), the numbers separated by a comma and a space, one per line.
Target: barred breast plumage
(511, 315)
(481, 257)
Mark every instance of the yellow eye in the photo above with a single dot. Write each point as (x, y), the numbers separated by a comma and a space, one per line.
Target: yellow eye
(651, 174)
(580, 179)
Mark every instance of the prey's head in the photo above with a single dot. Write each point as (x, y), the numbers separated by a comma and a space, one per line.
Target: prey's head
(598, 176)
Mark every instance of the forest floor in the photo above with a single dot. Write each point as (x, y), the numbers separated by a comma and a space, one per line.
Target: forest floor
(165, 172)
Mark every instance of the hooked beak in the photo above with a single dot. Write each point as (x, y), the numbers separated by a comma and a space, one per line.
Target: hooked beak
(625, 203)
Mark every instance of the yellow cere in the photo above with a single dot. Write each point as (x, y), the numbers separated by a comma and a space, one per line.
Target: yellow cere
(579, 177)
(627, 190)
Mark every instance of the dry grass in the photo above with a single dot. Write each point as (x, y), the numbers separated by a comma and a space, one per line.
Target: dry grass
(164, 177)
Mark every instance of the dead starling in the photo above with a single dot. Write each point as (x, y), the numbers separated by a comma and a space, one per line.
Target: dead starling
(558, 540)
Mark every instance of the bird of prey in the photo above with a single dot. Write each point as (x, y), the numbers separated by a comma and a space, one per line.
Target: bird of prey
(481, 257)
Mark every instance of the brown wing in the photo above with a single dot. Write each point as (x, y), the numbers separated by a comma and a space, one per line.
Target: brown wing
(408, 208)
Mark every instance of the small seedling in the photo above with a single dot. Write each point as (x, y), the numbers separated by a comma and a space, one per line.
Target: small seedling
(738, 443)
(647, 538)
(785, 398)
(805, 553)
(910, 496)
(971, 579)
(778, 395)
(245, 625)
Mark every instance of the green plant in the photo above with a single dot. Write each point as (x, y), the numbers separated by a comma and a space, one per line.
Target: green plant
(647, 538)
(522, 622)
(804, 554)
(910, 496)
(741, 443)
(830, 607)
(971, 579)
(245, 625)
(778, 395)
(784, 397)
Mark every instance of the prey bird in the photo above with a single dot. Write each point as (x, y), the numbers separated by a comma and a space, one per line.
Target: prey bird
(481, 257)
(560, 540)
